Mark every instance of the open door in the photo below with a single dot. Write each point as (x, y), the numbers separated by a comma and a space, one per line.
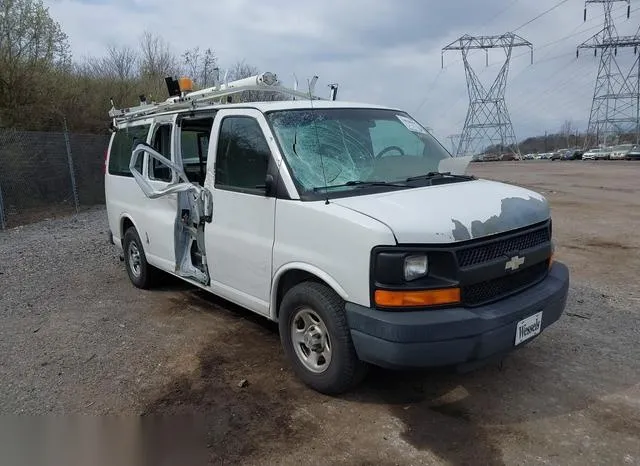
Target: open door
(178, 211)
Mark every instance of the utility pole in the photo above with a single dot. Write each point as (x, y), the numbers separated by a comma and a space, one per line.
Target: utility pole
(488, 122)
(616, 97)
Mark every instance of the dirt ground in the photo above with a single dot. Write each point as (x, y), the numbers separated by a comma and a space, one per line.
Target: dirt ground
(77, 338)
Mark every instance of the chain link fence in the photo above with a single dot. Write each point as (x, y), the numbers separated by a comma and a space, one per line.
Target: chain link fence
(49, 174)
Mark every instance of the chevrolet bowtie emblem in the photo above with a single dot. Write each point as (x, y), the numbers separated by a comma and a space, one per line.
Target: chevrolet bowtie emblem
(514, 263)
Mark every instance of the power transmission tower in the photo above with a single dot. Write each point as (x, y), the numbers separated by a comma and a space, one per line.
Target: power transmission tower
(455, 140)
(615, 109)
(488, 124)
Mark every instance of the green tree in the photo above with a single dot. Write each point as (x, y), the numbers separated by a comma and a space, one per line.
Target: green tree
(34, 50)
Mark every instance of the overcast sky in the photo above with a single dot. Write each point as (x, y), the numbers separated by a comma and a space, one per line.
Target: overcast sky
(379, 51)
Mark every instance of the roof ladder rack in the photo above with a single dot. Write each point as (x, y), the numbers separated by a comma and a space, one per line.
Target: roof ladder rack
(183, 97)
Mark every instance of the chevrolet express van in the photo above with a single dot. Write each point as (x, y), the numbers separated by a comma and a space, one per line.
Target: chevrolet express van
(337, 221)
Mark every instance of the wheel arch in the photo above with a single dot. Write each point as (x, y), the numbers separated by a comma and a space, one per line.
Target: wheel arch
(290, 275)
(125, 222)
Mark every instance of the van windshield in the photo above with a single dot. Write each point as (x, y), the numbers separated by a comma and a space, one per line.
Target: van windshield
(343, 148)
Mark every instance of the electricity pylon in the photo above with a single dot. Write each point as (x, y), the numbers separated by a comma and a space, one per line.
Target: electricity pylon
(616, 99)
(488, 124)
(455, 140)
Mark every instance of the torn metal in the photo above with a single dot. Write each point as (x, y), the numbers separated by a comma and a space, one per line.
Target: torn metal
(194, 209)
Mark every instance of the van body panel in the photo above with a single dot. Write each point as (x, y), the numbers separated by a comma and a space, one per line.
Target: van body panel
(453, 212)
(160, 214)
(333, 239)
(239, 239)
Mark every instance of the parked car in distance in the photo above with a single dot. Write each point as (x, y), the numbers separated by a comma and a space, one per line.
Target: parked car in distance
(572, 154)
(604, 154)
(620, 152)
(490, 157)
(633, 154)
(595, 154)
(556, 156)
(508, 157)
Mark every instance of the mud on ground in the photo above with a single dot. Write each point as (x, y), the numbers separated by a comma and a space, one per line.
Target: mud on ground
(78, 338)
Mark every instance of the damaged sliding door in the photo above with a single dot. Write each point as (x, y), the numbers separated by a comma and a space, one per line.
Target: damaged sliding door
(179, 208)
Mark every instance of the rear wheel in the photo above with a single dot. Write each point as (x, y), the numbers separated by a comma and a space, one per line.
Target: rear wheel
(141, 273)
(316, 339)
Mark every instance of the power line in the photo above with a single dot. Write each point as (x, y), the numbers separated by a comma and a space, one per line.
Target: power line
(541, 15)
(496, 16)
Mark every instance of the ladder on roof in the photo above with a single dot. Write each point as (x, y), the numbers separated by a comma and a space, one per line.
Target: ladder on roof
(182, 95)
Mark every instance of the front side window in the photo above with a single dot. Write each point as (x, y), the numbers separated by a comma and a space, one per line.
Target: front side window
(124, 141)
(242, 158)
(341, 147)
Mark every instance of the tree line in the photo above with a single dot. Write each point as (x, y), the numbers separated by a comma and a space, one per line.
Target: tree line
(41, 84)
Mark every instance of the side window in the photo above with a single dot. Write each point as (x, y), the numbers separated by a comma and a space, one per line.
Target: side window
(124, 141)
(194, 143)
(162, 143)
(243, 155)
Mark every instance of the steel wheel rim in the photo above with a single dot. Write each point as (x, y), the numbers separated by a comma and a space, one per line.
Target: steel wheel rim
(135, 261)
(311, 341)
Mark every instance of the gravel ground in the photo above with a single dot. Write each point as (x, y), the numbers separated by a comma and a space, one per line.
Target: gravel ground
(78, 338)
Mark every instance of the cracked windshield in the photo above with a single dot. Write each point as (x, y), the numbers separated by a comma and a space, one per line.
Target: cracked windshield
(340, 148)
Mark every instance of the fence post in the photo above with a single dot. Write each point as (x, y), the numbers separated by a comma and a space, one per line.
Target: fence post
(70, 162)
(3, 223)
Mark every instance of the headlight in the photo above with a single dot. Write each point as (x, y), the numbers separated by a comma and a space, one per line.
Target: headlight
(415, 267)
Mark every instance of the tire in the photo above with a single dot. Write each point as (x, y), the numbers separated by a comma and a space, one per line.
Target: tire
(315, 303)
(141, 273)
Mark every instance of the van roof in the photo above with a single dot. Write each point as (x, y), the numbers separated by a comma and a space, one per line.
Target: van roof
(264, 107)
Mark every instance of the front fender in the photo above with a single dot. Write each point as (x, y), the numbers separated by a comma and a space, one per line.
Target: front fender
(322, 275)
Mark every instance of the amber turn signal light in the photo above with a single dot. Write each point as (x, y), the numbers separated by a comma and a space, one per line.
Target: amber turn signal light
(386, 298)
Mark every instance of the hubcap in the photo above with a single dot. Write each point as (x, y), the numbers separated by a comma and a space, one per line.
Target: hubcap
(311, 340)
(135, 263)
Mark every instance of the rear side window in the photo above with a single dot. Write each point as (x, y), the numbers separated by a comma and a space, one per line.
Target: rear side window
(124, 141)
(162, 143)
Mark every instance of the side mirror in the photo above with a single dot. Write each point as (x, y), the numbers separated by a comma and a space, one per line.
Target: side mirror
(269, 186)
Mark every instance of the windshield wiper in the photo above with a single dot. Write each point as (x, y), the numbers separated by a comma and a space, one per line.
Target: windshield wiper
(431, 175)
(363, 184)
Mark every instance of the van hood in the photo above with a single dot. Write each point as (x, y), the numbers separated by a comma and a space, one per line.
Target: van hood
(453, 212)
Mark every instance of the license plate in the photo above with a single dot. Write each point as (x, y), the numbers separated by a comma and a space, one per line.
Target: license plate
(528, 328)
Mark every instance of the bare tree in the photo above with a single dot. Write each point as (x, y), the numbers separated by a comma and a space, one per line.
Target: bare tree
(200, 66)
(567, 130)
(119, 63)
(156, 60)
(123, 61)
(241, 70)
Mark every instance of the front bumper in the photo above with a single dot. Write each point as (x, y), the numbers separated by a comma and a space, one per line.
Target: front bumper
(456, 336)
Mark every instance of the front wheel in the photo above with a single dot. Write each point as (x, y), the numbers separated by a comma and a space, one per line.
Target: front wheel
(316, 339)
(141, 273)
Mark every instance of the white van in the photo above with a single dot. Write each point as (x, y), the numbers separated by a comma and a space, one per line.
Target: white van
(335, 220)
